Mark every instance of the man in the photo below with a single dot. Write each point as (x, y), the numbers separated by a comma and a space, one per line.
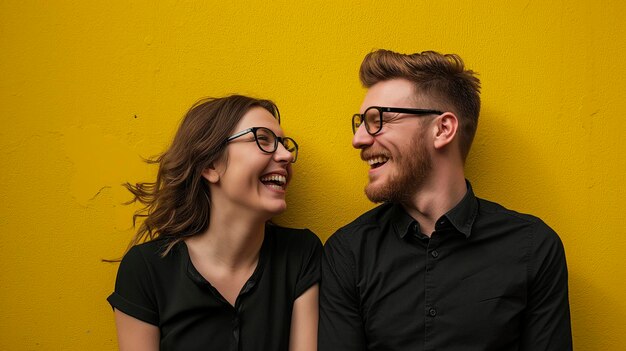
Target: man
(434, 267)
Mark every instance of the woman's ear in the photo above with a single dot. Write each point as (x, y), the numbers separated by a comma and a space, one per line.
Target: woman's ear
(446, 129)
(211, 174)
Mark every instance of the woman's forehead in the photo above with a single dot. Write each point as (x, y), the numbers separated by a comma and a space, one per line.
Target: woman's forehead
(259, 117)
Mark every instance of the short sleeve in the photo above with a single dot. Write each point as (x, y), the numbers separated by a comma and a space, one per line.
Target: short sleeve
(311, 254)
(134, 292)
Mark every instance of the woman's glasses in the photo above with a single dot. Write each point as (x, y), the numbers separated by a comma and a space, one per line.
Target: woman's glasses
(267, 141)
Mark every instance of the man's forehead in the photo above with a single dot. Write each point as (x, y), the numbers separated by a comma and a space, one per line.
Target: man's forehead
(389, 91)
(392, 93)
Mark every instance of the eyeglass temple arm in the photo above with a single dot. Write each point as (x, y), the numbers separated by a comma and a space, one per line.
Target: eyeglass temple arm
(237, 135)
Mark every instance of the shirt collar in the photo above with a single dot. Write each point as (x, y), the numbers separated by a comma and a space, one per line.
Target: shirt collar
(461, 216)
(403, 223)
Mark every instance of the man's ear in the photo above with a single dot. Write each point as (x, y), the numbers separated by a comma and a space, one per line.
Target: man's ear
(211, 174)
(446, 129)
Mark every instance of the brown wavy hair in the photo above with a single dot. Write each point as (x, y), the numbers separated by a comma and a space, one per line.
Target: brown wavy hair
(443, 77)
(177, 204)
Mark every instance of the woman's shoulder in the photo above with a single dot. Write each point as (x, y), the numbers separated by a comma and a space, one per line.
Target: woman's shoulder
(150, 253)
(296, 255)
(294, 237)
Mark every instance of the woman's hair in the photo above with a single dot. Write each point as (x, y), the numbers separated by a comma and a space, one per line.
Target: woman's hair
(177, 204)
(438, 76)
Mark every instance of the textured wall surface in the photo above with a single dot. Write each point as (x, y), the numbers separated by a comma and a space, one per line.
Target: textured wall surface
(88, 88)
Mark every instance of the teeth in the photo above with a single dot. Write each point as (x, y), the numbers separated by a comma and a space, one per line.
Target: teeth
(279, 179)
(375, 160)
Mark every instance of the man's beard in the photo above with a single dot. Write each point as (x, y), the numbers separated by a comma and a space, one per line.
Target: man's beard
(411, 170)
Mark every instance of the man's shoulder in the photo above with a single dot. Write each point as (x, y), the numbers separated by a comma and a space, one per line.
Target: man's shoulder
(493, 209)
(490, 212)
(356, 229)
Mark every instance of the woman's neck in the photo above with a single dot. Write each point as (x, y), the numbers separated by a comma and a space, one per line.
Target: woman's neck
(233, 240)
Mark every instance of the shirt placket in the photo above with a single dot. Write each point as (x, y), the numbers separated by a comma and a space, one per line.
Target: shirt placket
(431, 283)
(238, 312)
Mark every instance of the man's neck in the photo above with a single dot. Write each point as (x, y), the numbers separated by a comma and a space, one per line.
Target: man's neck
(435, 198)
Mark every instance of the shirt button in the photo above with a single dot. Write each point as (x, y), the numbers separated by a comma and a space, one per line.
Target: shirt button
(434, 253)
(432, 312)
(416, 228)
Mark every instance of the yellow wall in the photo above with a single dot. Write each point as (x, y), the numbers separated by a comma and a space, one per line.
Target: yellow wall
(87, 88)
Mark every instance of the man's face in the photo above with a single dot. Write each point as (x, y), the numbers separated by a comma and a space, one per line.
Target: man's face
(398, 155)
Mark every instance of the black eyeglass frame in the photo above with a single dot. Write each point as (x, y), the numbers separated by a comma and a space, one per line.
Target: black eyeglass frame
(381, 110)
(277, 140)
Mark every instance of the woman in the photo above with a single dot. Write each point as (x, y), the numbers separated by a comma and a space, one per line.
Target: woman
(214, 274)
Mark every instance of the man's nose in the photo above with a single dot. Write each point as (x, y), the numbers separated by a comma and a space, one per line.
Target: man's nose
(361, 138)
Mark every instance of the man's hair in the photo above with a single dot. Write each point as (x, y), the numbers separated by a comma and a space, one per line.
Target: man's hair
(177, 204)
(438, 76)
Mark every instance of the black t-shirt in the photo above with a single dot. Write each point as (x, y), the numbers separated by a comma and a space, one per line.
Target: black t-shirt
(192, 315)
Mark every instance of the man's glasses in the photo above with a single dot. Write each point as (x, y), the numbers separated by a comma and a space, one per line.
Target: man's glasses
(374, 119)
(267, 141)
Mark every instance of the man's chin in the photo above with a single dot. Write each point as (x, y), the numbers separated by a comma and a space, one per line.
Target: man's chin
(376, 194)
(394, 192)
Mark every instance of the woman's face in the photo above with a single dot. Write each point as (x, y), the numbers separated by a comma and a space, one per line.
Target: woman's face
(247, 178)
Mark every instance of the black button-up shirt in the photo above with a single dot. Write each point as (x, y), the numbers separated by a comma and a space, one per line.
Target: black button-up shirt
(487, 279)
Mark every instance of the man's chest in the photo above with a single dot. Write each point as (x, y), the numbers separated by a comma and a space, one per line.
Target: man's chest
(442, 295)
